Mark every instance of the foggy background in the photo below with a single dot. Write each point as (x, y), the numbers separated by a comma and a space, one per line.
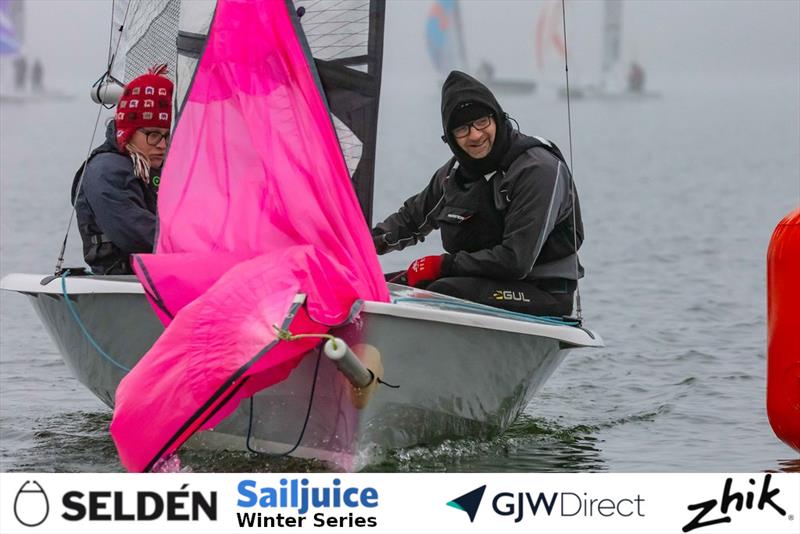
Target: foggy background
(736, 41)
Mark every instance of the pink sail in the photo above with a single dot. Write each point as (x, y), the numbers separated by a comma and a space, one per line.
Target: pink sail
(255, 206)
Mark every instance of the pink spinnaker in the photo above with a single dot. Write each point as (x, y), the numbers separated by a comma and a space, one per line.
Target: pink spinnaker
(255, 206)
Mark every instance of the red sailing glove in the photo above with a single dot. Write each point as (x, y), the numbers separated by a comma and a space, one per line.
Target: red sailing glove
(425, 269)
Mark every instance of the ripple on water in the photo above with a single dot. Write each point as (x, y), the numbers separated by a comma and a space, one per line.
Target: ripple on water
(530, 444)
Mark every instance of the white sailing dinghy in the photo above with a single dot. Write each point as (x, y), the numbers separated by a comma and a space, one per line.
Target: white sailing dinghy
(461, 369)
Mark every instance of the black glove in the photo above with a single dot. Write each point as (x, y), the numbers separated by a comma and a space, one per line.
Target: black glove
(379, 240)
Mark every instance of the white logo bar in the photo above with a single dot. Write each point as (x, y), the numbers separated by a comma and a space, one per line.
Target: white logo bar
(389, 503)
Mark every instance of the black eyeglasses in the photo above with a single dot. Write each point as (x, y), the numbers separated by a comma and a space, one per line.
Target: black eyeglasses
(154, 137)
(479, 124)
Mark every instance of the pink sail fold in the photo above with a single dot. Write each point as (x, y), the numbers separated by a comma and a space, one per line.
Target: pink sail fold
(255, 207)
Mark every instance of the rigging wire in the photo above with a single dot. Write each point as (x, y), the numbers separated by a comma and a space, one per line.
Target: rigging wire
(578, 308)
(111, 56)
(305, 422)
(85, 331)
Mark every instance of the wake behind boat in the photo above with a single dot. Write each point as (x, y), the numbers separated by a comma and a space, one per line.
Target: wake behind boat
(462, 369)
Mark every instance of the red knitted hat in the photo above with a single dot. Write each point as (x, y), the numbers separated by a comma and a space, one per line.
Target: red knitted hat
(146, 102)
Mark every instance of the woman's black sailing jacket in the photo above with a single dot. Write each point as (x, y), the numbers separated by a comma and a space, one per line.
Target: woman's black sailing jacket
(116, 210)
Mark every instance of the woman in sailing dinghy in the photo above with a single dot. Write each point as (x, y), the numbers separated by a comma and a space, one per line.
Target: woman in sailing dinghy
(115, 201)
(507, 209)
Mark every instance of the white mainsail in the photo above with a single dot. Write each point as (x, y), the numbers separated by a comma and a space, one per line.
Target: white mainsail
(147, 31)
(612, 39)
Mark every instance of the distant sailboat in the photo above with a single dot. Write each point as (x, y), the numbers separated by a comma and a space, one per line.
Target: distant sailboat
(11, 27)
(615, 82)
(21, 79)
(445, 39)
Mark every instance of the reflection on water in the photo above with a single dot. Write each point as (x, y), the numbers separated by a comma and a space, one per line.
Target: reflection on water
(789, 466)
(80, 442)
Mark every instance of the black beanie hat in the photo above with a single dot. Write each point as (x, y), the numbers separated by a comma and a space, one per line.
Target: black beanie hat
(467, 112)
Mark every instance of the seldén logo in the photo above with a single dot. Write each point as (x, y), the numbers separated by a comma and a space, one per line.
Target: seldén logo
(31, 506)
(706, 517)
(469, 502)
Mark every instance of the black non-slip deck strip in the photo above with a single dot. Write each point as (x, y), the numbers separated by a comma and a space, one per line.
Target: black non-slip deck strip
(153, 293)
(223, 388)
(191, 44)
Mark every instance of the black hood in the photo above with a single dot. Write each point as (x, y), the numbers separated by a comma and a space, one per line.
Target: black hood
(458, 89)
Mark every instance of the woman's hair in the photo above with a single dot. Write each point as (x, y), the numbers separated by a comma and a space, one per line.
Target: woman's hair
(141, 163)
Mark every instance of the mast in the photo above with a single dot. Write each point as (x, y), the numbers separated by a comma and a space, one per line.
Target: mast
(612, 37)
(459, 29)
(149, 31)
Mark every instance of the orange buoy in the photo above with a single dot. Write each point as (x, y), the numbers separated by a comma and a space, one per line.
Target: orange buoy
(783, 330)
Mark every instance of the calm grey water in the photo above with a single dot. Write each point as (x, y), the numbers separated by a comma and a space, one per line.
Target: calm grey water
(680, 196)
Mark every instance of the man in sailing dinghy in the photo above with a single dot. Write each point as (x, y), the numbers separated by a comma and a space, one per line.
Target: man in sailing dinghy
(507, 209)
(115, 200)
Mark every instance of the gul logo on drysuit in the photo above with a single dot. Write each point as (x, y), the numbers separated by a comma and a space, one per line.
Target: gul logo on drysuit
(518, 296)
(31, 506)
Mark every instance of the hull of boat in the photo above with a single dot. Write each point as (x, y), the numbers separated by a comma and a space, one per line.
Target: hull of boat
(458, 375)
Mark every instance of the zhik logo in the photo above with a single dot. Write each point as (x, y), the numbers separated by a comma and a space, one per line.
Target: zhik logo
(31, 506)
(736, 499)
(469, 502)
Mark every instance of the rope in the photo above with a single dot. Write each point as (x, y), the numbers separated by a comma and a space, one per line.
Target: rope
(578, 309)
(308, 411)
(83, 328)
(60, 261)
(286, 335)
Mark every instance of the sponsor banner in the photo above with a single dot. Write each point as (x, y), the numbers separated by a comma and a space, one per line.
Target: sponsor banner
(388, 503)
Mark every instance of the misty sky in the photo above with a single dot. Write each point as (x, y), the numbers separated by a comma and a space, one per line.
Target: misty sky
(674, 39)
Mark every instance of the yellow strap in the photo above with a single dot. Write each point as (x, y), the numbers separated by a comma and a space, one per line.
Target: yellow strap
(286, 335)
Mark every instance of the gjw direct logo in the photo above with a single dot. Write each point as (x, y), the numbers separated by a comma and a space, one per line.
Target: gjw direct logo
(522, 505)
(713, 511)
(469, 502)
